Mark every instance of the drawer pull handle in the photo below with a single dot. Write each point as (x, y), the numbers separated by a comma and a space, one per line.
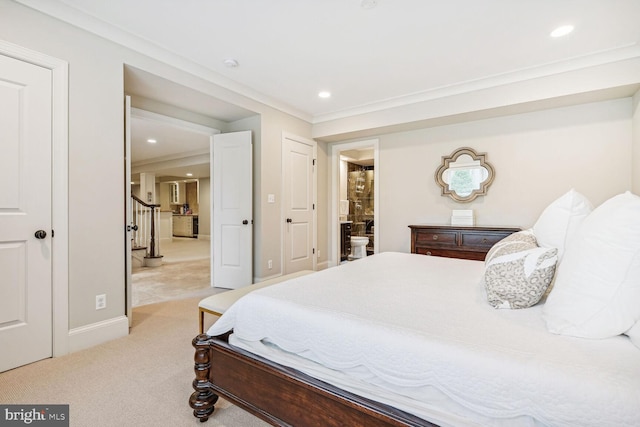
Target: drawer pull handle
(428, 253)
(435, 237)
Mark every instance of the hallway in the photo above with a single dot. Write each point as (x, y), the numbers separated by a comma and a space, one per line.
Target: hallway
(185, 273)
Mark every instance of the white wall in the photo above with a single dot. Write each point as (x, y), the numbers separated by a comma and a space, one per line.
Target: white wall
(635, 159)
(537, 157)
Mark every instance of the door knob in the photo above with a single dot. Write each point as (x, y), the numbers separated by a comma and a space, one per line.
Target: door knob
(289, 220)
(40, 234)
(245, 222)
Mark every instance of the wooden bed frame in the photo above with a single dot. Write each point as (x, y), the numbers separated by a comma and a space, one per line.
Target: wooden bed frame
(280, 395)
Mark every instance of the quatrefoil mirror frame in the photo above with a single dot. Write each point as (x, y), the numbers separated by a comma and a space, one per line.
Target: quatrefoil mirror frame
(477, 163)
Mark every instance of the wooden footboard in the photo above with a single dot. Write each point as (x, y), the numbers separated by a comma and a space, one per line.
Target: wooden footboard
(279, 395)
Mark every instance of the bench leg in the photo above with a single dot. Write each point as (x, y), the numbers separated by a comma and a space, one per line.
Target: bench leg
(201, 320)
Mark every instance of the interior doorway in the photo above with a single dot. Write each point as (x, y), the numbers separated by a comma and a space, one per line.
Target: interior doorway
(169, 208)
(354, 200)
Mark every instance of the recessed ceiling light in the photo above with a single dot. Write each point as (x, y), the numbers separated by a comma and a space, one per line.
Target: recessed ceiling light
(231, 63)
(324, 94)
(151, 141)
(189, 174)
(561, 31)
(368, 4)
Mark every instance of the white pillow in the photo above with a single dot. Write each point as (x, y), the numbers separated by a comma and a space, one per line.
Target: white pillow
(634, 334)
(560, 220)
(597, 287)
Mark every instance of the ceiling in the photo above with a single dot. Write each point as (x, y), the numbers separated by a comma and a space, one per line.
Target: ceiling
(369, 58)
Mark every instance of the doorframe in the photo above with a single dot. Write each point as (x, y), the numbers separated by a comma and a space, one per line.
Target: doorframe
(314, 146)
(59, 188)
(336, 149)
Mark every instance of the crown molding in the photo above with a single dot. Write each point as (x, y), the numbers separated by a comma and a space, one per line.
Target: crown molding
(619, 54)
(91, 24)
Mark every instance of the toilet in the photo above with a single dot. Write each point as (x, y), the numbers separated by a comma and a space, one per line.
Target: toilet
(359, 246)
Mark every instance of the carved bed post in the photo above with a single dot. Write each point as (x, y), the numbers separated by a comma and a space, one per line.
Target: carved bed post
(202, 400)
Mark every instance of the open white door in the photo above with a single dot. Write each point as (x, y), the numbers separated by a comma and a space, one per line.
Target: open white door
(127, 216)
(232, 210)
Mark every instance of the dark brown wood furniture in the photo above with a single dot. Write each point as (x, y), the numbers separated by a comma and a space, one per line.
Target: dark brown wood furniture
(456, 241)
(279, 395)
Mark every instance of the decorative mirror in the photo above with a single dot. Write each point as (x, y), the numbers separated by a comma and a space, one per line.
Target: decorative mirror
(464, 175)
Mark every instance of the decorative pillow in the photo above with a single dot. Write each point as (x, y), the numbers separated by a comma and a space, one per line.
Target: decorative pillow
(634, 334)
(512, 243)
(560, 220)
(518, 273)
(597, 290)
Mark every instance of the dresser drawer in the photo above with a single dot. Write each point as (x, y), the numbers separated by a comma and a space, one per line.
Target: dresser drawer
(448, 253)
(481, 240)
(456, 241)
(436, 238)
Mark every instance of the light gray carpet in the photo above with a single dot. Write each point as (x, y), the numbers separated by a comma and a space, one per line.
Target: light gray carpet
(143, 379)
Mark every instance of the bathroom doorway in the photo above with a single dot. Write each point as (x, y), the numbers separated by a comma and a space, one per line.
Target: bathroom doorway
(354, 226)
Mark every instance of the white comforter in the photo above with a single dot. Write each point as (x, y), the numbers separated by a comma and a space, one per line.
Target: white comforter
(416, 332)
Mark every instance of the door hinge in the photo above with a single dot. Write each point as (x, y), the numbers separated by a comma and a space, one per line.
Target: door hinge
(314, 251)
(53, 234)
(314, 162)
(313, 207)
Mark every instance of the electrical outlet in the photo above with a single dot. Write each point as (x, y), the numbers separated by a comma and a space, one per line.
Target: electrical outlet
(318, 253)
(270, 264)
(101, 301)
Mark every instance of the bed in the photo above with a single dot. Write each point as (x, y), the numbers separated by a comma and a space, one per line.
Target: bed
(544, 332)
(404, 339)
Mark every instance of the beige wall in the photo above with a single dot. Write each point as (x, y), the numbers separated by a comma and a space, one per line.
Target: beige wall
(204, 215)
(96, 166)
(537, 157)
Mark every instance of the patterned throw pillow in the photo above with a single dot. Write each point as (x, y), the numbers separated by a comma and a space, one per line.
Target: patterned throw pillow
(518, 272)
(513, 243)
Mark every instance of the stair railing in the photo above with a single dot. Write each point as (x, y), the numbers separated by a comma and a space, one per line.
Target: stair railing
(145, 216)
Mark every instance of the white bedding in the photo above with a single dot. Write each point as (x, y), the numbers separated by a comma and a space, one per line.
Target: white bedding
(417, 333)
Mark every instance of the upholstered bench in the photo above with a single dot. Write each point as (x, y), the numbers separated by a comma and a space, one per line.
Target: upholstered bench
(219, 303)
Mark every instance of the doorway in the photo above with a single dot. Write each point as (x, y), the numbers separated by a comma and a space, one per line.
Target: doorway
(354, 227)
(170, 199)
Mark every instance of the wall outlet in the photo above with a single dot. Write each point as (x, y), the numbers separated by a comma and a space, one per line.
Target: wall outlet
(318, 253)
(270, 264)
(101, 301)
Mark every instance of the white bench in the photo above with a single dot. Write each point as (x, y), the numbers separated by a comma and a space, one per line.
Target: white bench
(219, 303)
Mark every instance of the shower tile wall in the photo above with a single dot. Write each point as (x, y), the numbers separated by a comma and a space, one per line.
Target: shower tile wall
(360, 195)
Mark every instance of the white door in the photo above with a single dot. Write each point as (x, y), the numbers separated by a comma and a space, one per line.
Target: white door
(299, 203)
(232, 210)
(25, 213)
(128, 217)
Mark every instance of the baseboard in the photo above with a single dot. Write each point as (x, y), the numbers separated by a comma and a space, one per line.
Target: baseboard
(204, 237)
(98, 333)
(322, 265)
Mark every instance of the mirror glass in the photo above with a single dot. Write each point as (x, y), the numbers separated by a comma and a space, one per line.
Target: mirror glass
(464, 175)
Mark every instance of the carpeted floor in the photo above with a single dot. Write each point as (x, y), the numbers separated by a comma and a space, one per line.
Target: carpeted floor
(143, 379)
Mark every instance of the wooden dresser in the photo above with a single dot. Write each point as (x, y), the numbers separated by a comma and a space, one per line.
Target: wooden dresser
(456, 241)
